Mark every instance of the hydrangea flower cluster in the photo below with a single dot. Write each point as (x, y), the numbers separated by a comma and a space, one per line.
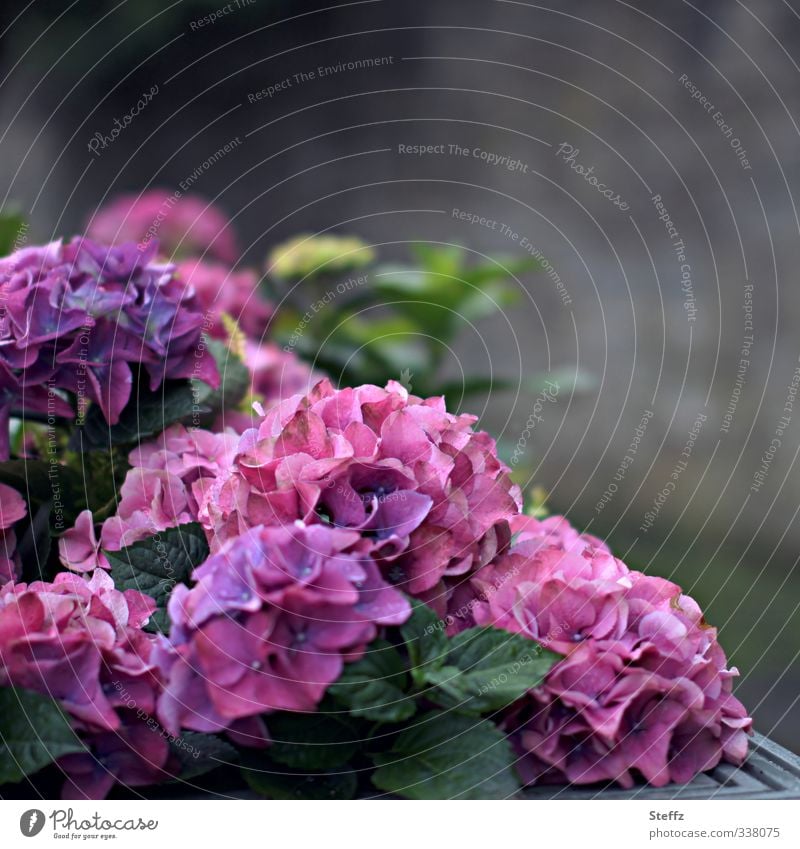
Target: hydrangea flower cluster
(80, 642)
(420, 485)
(306, 255)
(183, 225)
(77, 315)
(268, 625)
(12, 509)
(221, 291)
(169, 479)
(643, 688)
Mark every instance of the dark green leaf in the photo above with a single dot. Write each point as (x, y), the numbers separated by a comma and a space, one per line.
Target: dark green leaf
(34, 732)
(277, 785)
(426, 640)
(448, 756)
(35, 544)
(201, 753)
(149, 413)
(375, 687)
(487, 669)
(312, 743)
(154, 565)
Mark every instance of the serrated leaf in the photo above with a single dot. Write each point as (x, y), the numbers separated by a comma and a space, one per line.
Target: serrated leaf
(34, 732)
(312, 743)
(448, 756)
(375, 687)
(199, 753)
(487, 669)
(154, 565)
(277, 785)
(426, 641)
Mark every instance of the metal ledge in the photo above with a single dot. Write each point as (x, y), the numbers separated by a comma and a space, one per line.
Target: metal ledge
(770, 772)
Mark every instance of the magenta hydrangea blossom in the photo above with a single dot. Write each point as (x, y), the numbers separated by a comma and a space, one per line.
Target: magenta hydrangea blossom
(420, 485)
(80, 642)
(643, 689)
(168, 481)
(183, 225)
(12, 509)
(222, 291)
(78, 315)
(268, 625)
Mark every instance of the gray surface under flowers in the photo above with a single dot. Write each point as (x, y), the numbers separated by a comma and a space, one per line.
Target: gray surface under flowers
(770, 772)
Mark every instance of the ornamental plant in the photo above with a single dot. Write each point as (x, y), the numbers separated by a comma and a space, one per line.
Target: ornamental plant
(237, 574)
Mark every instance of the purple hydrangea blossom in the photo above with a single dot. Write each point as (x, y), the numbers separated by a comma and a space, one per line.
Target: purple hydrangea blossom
(643, 689)
(76, 317)
(268, 625)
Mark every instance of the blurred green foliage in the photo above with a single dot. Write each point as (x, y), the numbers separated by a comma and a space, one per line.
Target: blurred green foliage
(364, 321)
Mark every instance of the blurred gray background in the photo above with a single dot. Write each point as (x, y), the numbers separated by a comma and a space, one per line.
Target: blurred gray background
(697, 103)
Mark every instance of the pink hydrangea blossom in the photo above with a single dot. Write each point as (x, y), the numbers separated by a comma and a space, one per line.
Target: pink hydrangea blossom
(12, 509)
(643, 689)
(80, 642)
(268, 625)
(424, 488)
(168, 481)
(184, 225)
(222, 291)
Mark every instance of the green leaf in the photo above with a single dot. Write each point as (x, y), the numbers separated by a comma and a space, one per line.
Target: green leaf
(424, 634)
(375, 687)
(487, 669)
(199, 753)
(154, 565)
(13, 229)
(146, 414)
(287, 785)
(35, 544)
(448, 756)
(312, 742)
(34, 732)
(150, 413)
(234, 377)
